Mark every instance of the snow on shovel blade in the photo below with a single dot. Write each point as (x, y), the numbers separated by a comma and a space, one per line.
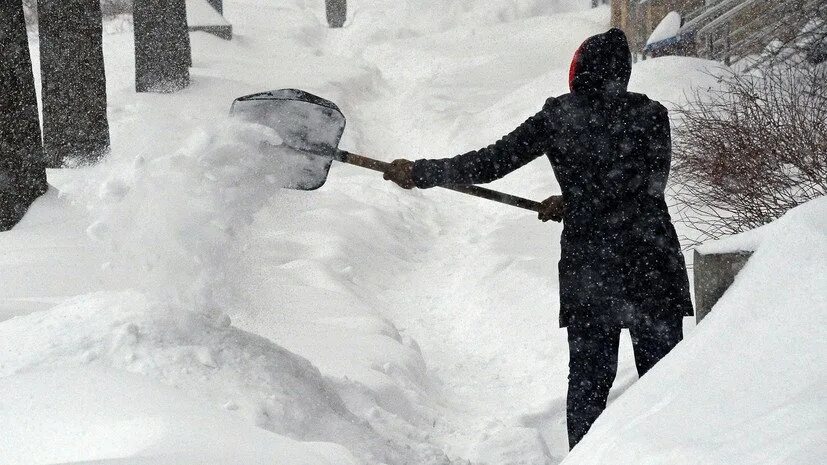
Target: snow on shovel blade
(310, 127)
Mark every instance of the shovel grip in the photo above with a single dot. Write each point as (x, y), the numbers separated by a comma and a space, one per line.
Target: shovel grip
(476, 191)
(496, 196)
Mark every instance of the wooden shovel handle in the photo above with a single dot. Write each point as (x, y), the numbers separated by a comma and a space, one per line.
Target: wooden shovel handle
(476, 191)
(364, 162)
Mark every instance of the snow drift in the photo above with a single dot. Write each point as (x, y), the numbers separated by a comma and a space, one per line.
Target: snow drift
(103, 416)
(105, 336)
(214, 365)
(176, 231)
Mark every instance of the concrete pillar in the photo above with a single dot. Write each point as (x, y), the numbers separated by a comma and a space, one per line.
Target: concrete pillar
(714, 273)
(336, 12)
(218, 5)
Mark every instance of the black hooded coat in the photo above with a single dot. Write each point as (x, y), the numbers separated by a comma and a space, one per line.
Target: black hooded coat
(610, 149)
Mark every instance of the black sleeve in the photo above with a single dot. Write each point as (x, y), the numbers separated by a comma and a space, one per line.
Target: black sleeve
(513, 151)
(659, 156)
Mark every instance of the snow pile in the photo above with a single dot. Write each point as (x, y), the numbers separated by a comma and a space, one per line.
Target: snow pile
(668, 27)
(747, 386)
(97, 415)
(47, 257)
(188, 241)
(220, 366)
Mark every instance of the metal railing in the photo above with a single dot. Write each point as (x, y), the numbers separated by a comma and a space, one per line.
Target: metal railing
(734, 29)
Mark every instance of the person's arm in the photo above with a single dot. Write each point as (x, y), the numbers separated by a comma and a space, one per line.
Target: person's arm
(513, 151)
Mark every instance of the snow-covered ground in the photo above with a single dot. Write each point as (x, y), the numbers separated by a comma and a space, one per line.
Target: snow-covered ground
(173, 305)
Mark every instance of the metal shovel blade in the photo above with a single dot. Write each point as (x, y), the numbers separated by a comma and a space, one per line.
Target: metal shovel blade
(310, 127)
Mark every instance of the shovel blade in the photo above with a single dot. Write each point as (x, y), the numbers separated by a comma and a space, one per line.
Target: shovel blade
(309, 126)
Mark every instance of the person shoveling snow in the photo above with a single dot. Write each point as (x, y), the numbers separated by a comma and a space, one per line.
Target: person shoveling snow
(621, 264)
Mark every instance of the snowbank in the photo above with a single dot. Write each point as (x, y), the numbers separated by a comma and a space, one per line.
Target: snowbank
(98, 415)
(188, 239)
(747, 386)
(220, 366)
(47, 257)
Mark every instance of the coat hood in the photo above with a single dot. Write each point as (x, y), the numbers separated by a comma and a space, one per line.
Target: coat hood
(602, 64)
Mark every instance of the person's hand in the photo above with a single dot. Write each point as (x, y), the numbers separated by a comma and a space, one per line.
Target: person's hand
(401, 172)
(551, 209)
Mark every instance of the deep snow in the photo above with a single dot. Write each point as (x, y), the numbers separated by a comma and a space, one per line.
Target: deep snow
(407, 327)
(95, 415)
(82, 340)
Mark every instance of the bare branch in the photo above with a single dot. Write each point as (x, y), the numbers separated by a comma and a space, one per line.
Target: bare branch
(750, 151)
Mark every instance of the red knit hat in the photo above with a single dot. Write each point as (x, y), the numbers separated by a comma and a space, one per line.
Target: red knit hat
(602, 63)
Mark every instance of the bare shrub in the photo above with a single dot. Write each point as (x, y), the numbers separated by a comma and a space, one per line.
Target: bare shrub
(751, 150)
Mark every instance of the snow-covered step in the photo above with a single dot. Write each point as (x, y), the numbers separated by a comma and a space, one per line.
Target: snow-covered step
(202, 16)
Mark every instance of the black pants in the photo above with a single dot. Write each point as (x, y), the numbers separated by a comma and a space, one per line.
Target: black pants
(593, 365)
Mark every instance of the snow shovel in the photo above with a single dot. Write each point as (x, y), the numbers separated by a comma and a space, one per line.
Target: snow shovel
(311, 128)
